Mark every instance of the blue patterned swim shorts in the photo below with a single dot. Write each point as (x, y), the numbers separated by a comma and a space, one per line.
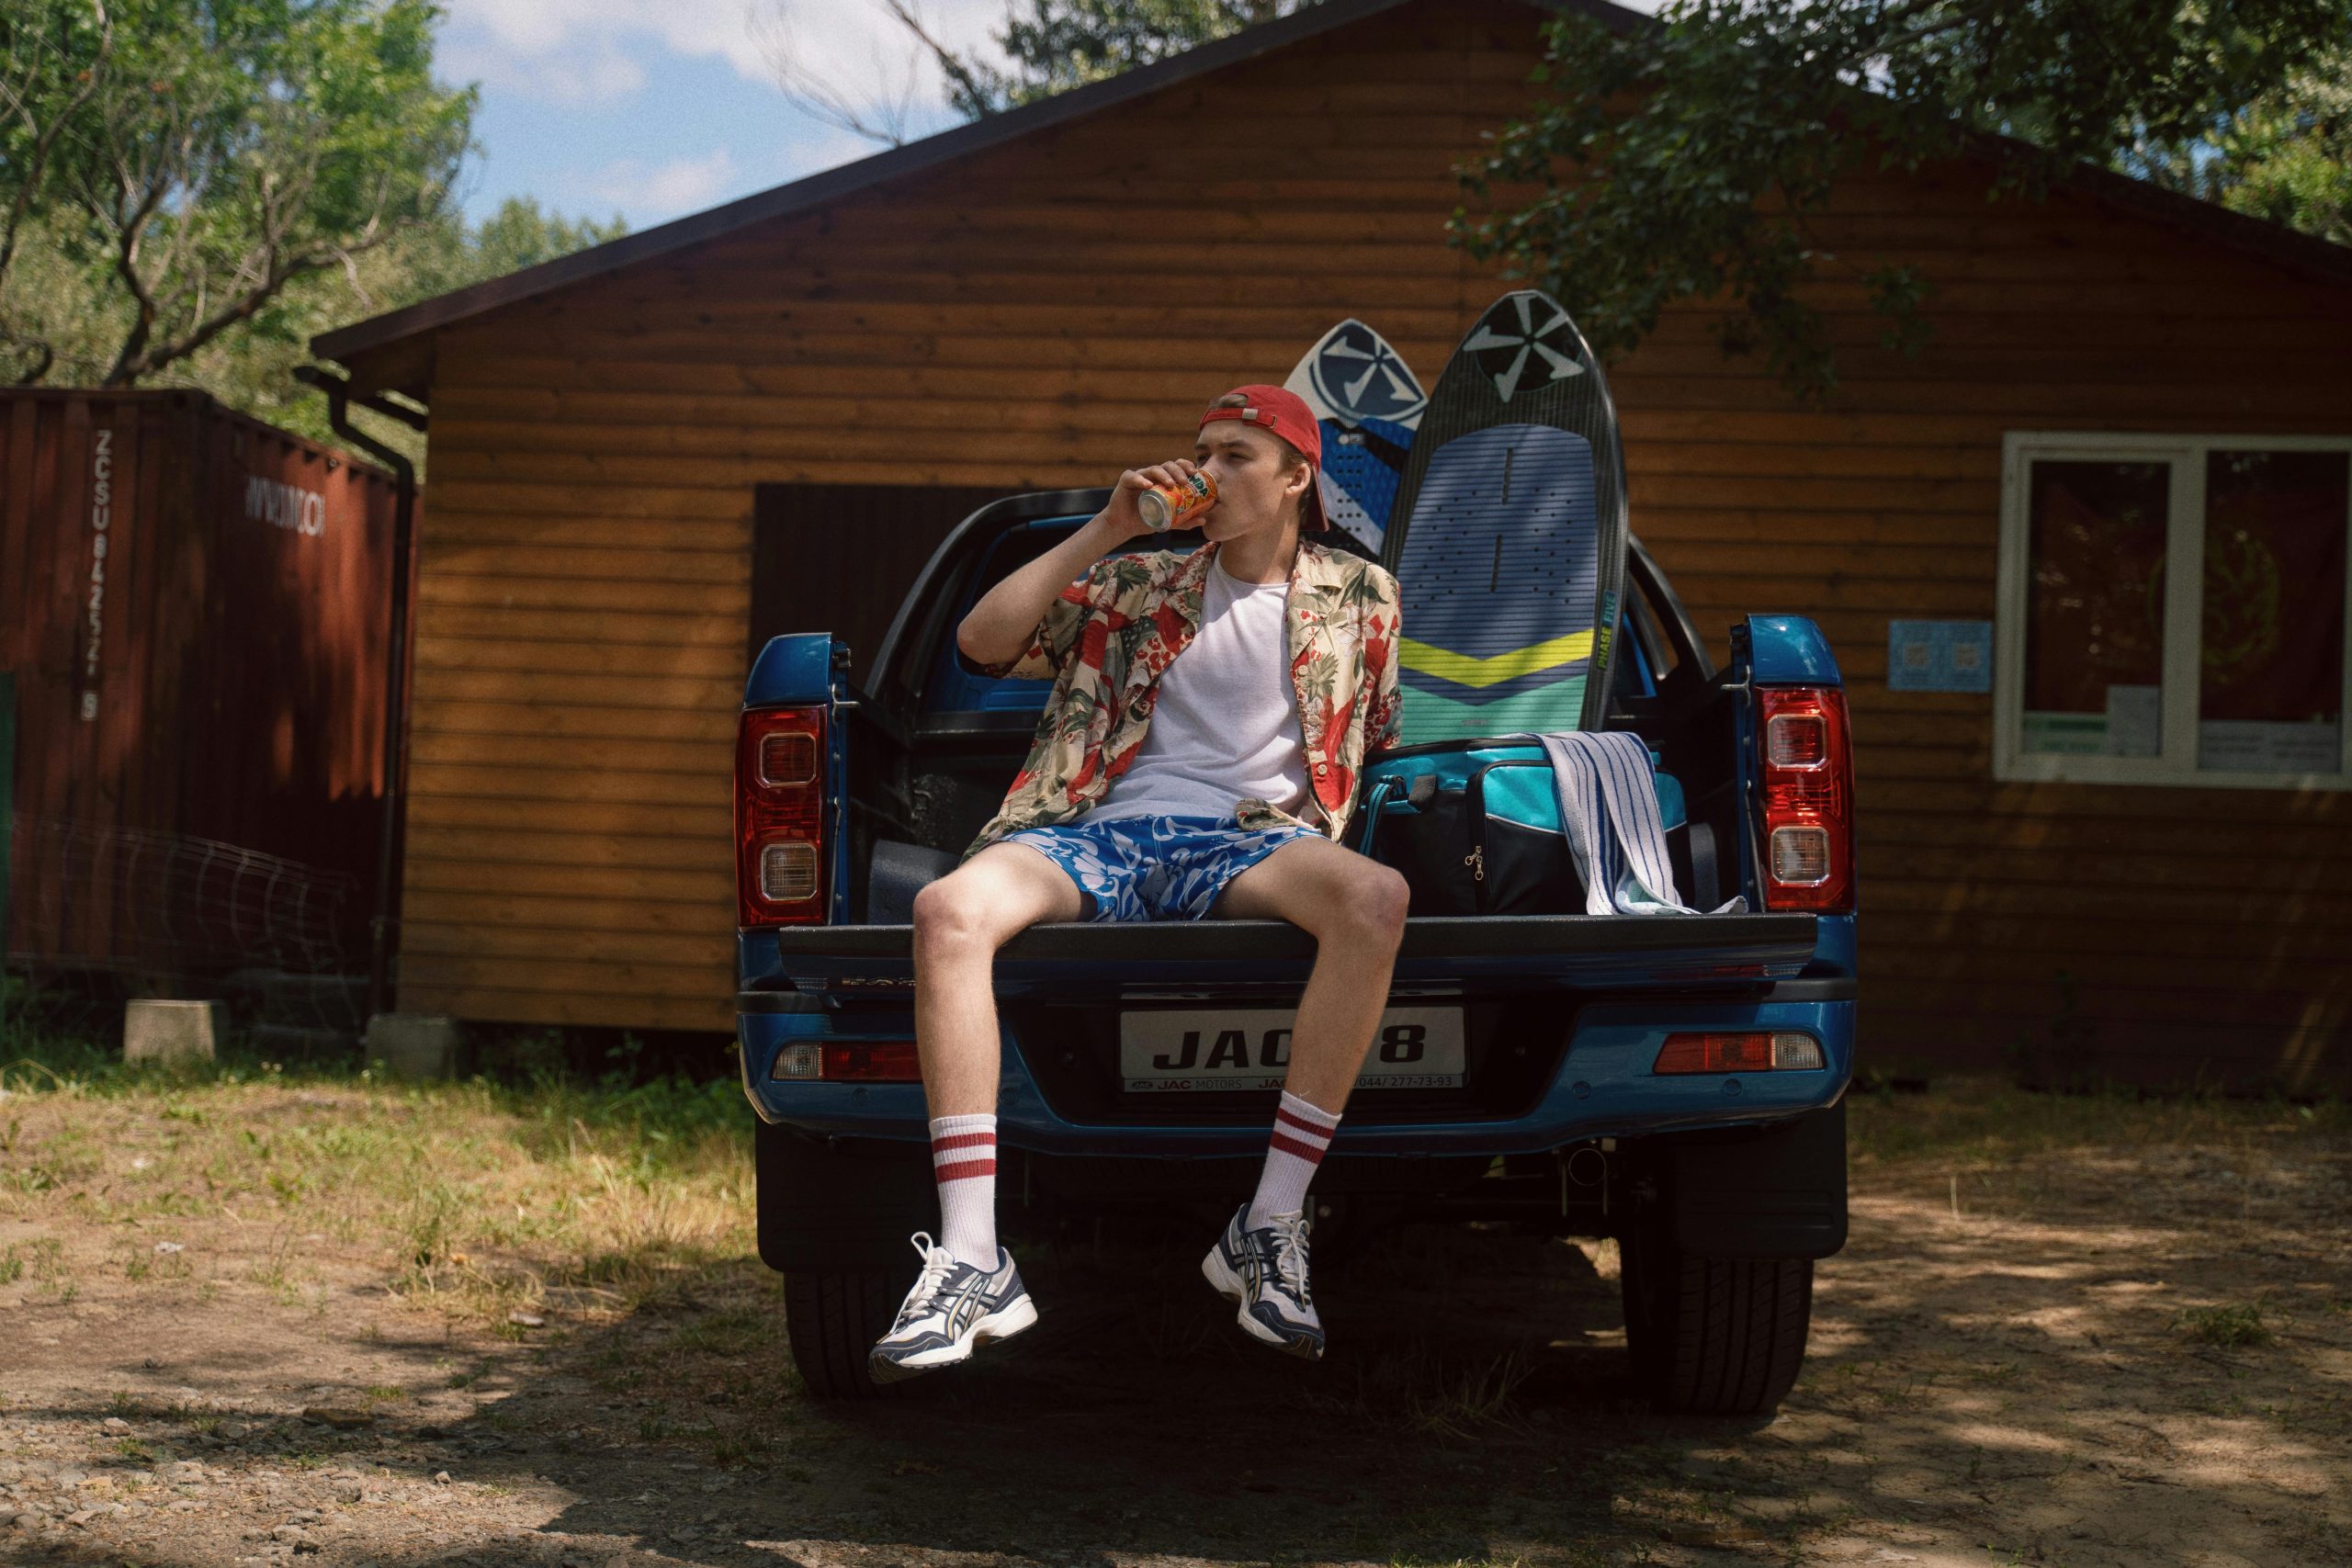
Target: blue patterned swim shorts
(1154, 868)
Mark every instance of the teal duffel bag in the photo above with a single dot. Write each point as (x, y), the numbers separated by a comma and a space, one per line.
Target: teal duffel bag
(1477, 829)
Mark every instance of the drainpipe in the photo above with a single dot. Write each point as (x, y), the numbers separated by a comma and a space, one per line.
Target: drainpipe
(339, 398)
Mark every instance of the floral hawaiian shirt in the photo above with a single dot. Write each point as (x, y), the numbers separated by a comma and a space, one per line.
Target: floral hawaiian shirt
(1108, 637)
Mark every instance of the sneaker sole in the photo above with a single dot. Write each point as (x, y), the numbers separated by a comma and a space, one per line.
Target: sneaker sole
(1228, 1284)
(1220, 1276)
(1001, 1324)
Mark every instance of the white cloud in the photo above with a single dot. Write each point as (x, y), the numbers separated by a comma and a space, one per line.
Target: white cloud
(659, 191)
(591, 50)
(538, 30)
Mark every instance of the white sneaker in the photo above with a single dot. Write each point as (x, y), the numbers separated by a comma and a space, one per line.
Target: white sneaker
(1264, 1272)
(952, 1308)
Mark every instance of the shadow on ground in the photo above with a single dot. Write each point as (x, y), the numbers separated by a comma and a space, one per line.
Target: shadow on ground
(2098, 1360)
(1478, 1405)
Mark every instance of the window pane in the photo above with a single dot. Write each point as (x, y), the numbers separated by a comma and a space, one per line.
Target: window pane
(2094, 626)
(2270, 694)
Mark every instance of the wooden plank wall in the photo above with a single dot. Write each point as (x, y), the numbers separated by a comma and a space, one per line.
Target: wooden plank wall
(1045, 313)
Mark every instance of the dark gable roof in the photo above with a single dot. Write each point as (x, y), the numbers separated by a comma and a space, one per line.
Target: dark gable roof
(2305, 253)
(835, 183)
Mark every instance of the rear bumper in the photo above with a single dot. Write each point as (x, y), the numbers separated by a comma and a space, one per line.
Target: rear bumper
(1603, 1087)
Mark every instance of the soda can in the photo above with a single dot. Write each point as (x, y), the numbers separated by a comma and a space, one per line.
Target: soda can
(1165, 506)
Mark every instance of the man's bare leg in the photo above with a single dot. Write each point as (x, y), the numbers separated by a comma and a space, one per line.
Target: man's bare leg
(960, 921)
(1354, 908)
(967, 1292)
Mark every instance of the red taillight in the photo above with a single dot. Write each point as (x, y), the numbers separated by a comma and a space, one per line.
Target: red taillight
(1785, 1050)
(884, 1061)
(849, 1061)
(1808, 799)
(780, 817)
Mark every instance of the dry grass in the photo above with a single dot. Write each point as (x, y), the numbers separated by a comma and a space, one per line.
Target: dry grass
(1972, 1121)
(476, 1199)
(2124, 1281)
(479, 1199)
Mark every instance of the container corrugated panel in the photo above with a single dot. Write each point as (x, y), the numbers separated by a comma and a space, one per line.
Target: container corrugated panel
(194, 606)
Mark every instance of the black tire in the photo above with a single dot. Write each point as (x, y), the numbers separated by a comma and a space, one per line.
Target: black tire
(834, 1221)
(833, 1320)
(1713, 1336)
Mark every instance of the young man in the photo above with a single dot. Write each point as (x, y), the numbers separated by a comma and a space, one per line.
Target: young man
(1197, 758)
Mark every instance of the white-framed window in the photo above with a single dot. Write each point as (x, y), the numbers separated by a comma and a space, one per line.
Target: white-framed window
(2173, 610)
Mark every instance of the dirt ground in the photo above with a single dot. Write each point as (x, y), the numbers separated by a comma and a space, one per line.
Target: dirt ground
(2066, 1331)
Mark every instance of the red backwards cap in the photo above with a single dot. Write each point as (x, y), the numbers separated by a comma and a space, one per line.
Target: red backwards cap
(1286, 414)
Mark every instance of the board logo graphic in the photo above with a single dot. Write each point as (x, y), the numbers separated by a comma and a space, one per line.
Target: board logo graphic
(1509, 338)
(1359, 377)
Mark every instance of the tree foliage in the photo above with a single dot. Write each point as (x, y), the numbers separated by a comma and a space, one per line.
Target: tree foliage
(203, 155)
(2287, 156)
(1687, 158)
(1052, 46)
(305, 170)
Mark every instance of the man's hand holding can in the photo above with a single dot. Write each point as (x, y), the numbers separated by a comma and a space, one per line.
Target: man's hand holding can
(1161, 497)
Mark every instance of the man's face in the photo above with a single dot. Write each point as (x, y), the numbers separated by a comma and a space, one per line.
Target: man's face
(1259, 479)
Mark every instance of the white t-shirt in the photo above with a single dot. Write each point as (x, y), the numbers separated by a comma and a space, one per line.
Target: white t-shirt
(1224, 726)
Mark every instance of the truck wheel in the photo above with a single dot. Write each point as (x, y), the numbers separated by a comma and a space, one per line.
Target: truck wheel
(834, 1221)
(833, 1318)
(1713, 1336)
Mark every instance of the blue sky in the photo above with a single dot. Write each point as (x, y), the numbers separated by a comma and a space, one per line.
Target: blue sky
(656, 108)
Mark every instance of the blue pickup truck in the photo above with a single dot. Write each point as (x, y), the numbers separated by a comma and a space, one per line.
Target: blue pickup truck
(1675, 1082)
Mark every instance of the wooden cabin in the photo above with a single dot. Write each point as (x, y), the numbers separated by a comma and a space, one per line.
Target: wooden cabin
(761, 417)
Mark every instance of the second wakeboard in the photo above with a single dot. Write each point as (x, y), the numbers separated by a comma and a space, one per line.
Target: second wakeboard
(1368, 402)
(1506, 537)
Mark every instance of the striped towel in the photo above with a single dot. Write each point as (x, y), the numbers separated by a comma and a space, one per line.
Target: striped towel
(1608, 806)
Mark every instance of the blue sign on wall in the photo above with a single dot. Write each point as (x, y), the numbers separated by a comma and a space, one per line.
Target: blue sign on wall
(1940, 656)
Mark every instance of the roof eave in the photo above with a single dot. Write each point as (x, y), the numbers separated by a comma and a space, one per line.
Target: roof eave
(2318, 258)
(366, 337)
(847, 178)
(399, 368)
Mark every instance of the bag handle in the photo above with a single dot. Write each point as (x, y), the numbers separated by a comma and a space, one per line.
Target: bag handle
(1373, 802)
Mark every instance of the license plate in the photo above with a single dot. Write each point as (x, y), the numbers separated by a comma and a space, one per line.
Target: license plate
(1173, 1052)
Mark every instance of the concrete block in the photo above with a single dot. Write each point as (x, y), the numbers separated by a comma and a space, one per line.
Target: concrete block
(156, 1031)
(413, 1045)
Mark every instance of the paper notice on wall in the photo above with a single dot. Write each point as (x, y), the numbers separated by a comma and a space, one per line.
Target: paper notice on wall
(2135, 721)
(1938, 656)
(2065, 734)
(2239, 746)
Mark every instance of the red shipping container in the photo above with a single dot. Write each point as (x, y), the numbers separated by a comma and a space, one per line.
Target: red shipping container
(194, 606)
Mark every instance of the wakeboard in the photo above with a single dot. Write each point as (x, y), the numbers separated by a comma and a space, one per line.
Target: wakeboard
(1507, 535)
(1368, 402)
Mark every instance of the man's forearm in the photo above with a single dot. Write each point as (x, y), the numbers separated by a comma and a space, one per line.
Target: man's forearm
(999, 627)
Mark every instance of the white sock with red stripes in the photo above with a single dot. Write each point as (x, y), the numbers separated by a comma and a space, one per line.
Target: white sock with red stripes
(1302, 1132)
(963, 1161)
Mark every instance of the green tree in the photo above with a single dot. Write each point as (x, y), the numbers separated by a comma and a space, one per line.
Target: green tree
(1055, 45)
(51, 57)
(2287, 156)
(1684, 158)
(252, 369)
(204, 156)
(449, 254)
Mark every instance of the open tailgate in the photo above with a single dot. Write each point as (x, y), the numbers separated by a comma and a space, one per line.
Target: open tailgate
(1568, 952)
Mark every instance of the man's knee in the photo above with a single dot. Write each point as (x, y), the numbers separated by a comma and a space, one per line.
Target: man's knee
(1383, 896)
(1370, 908)
(952, 913)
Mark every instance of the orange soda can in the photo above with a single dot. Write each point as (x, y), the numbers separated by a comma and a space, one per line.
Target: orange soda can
(1165, 506)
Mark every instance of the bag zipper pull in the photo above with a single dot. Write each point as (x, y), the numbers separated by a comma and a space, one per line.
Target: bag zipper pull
(1477, 861)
